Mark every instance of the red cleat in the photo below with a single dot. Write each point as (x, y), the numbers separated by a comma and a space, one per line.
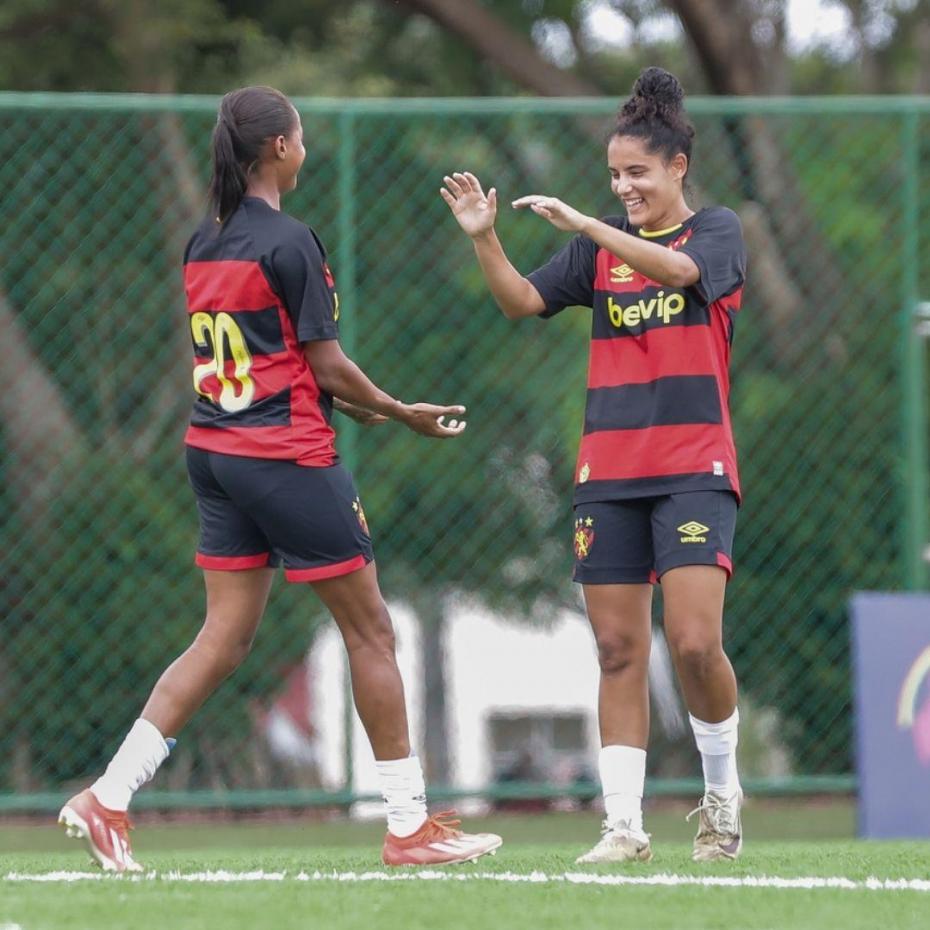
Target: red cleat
(438, 842)
(104, 832)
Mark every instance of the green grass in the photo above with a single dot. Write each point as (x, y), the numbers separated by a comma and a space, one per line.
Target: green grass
(783, 841)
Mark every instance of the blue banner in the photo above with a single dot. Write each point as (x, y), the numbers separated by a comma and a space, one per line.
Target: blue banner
(891, 660)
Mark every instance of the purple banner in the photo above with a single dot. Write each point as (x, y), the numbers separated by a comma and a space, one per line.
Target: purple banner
(891, 660)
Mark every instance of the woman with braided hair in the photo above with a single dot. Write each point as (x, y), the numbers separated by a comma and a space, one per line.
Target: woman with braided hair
(656, 481)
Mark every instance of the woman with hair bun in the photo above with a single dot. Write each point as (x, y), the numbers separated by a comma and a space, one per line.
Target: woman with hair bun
(267, 372)
(657, 488)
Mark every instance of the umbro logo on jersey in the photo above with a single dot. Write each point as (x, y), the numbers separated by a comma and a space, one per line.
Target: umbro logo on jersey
(693, 532)
(621, 274)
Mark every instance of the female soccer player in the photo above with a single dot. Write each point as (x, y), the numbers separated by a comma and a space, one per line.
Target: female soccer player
(260, 453)
(656, 482)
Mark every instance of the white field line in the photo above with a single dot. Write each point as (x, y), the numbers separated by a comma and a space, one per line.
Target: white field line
(533, 878)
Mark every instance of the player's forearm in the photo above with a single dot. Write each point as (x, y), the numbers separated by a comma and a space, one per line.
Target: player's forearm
(514, 294)
(347, 382)
(657, 262)
(350, 410)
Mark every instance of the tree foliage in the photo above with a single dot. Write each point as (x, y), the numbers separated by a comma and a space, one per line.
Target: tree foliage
(394, 48)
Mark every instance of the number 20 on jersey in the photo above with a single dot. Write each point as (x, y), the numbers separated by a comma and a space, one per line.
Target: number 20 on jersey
(220, 334)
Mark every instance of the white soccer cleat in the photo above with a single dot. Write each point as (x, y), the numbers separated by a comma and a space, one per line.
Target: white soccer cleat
(438, 842)
(720, 829)
(619, 842)
(105, 833)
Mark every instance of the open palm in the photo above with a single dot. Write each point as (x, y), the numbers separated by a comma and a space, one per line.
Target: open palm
(474, 210)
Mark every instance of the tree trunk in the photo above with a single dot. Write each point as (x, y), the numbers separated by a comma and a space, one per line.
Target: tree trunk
(494, 40)
(736, 64)
(733, 61)
(40, 433)
(178, 190)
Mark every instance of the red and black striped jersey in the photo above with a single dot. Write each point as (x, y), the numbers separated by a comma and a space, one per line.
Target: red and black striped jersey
(657, 419)
(257, 288)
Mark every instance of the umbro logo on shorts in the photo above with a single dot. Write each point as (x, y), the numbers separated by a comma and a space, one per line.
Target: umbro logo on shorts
(693, 532)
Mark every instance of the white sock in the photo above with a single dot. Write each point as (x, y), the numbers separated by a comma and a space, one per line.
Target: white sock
(623, 775)
(135, 763)
(717, 744)
(404, 794)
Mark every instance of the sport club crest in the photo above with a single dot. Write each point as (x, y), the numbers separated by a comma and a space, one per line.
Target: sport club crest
(584, 537)
(360, 513)
(681, 241)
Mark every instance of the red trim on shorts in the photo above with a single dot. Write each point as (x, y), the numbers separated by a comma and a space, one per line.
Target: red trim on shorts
(321, 572)
(725, 563)
(231, 563)
(653, 577)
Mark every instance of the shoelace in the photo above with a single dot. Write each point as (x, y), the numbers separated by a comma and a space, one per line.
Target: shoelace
(716, 810)
(118, 820)
(445, 823)
(608, 828)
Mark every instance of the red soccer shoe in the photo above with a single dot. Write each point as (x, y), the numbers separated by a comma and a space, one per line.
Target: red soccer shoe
(104, 832)
(438, 842)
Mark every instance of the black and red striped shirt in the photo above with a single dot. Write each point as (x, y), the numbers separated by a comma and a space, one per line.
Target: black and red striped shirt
(257, 288)
(657, 419)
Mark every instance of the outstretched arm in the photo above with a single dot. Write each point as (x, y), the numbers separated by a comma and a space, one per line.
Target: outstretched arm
(338, 375)
(663, 265)
(359, 414)
(476, 213)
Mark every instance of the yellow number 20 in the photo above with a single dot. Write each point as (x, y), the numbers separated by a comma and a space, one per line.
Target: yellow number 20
(217, 333)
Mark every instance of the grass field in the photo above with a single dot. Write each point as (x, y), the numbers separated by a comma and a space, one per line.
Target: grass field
(328, 875)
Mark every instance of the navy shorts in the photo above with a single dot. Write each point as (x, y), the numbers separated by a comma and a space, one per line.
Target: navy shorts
(637, 541)
(265, 512)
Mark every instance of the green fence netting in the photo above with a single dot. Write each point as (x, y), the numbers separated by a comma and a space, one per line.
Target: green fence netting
(97, 586)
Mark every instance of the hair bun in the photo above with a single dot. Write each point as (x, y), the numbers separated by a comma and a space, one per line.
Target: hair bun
(661, 86)
(655, 93)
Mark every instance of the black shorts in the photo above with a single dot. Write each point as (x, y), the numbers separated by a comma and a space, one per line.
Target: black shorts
(637, 541)
(262, 512)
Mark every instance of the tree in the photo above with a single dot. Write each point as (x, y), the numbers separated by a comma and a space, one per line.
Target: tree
(498, 531)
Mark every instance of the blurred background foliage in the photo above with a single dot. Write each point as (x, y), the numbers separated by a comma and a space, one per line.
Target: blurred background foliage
(97, 589)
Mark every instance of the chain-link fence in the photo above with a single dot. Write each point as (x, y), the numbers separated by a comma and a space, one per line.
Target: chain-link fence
(97, 586)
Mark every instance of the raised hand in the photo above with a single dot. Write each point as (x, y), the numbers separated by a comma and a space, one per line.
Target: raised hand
(561, 215)
(474, 211)
(429, 420)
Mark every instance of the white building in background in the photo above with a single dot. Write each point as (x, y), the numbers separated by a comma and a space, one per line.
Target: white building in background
(521, 700)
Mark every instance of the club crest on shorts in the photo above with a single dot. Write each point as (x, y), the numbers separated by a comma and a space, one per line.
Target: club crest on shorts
(584, 474)
(584, 537)
(360, 513)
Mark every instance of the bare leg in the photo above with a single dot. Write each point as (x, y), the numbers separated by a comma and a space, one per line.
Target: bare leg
(363, 620)
(235, 604)
(693, 597)
(620, 616)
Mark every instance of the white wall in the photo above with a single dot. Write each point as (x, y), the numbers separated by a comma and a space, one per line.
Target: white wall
(493, 665)
(329, 671)
(496, 664)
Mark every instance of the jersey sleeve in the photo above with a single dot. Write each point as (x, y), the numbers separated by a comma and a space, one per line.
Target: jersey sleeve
(567, 279)
(716, 246)
(298, 266)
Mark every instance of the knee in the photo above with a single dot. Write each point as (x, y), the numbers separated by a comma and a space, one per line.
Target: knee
(617, 653)
(226, 654)
(696, 656)
(369, 628)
